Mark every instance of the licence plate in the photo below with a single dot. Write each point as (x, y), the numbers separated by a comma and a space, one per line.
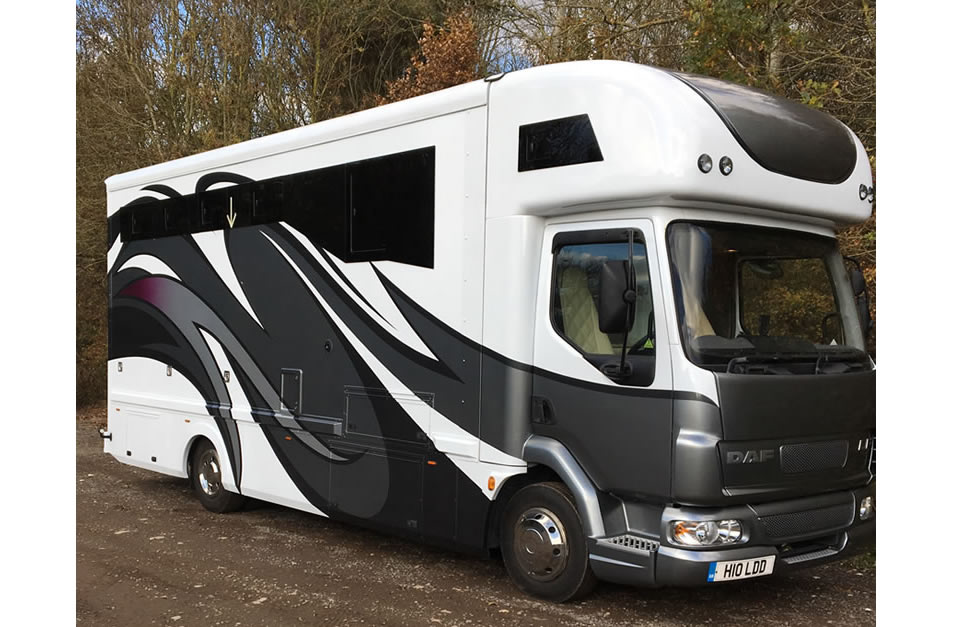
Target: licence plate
(741, 569)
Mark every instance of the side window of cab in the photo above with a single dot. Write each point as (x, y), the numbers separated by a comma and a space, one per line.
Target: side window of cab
(626, 357)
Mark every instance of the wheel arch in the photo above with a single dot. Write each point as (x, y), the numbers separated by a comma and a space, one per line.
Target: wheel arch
(549, 461)
(209, 433)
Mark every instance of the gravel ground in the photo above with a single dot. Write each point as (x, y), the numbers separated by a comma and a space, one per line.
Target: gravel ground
(149, 554)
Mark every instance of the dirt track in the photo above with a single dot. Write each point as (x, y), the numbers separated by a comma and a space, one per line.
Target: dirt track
(149, 554)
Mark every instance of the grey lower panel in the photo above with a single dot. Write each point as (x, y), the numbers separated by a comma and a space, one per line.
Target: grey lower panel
(615, 564)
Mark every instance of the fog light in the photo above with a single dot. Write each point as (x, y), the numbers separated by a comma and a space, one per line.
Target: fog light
(866, 508)
(705, 163)
(705, 532)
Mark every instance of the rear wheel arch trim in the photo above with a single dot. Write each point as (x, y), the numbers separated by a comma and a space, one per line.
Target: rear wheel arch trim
(210, 433)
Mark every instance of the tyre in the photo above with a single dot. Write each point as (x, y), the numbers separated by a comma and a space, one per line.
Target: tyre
(205, 475)
(543, 544)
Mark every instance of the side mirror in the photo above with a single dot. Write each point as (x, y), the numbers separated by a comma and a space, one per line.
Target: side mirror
(857, 282)
(859, 285)
(617, 299)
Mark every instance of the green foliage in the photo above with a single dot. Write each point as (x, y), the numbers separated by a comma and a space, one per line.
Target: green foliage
(796, 302)
(815, 93)
(738, 40)
(158, 80)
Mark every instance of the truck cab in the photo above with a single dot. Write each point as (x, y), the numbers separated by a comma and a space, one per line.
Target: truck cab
(701, 382)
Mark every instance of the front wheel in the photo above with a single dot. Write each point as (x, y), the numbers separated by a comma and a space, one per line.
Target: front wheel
(205, 475)
(543, 544)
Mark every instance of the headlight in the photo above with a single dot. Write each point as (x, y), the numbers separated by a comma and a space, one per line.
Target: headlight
(705, 532)
(867, 508)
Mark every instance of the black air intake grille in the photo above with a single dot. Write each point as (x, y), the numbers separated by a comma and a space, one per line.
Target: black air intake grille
(811, 456)
(632, 543)
(808, 523)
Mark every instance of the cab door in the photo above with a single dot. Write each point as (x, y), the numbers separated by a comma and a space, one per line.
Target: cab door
(605, 396)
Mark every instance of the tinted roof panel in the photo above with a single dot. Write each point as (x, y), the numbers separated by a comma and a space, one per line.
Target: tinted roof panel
(781, 135)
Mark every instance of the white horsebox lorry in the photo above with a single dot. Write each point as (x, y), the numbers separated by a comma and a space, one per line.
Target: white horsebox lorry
(591, 314)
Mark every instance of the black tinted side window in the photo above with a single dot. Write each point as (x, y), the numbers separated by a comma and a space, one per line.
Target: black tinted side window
(576, 305)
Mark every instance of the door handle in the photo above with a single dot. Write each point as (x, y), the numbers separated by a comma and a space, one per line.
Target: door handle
(542, 411)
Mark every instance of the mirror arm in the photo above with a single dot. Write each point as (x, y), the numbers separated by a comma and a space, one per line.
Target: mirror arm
(866, 297)
(631, 306)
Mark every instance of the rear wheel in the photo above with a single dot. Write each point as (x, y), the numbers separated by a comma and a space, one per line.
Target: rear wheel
(543, 544)
(206, 476)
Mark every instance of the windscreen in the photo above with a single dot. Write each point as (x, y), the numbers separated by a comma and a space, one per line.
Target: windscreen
(763, 300)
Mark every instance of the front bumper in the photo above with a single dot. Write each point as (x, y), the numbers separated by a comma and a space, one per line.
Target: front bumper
(633, 560)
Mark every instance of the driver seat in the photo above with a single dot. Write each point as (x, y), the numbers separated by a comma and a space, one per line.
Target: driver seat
(579, 313)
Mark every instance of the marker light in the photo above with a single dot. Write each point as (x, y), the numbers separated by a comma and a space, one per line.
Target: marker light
(867, 509)
(706, 532)
(726, 166)
(869, 194)
(863, 191)
(705, 163)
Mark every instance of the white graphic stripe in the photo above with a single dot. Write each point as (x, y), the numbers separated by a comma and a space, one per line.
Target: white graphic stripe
(215, 249)
(254, 443)
(445, 434)
(113, 253)
(151, 264)
(362, 275)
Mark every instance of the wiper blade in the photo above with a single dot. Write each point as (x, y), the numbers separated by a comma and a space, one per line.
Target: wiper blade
(818, 358)
(776, 357)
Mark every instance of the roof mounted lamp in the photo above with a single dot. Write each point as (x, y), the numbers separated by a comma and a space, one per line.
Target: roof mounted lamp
(726, 166)
(705, 163)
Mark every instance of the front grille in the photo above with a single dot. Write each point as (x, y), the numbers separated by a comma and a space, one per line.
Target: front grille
(808, 523)
(812, 456)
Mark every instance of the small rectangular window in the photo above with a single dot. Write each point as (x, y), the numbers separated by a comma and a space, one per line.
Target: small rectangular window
(390, 208)
(555, 143)
(137, 219)
(369, 207)
(210, 210)
(267, 199)
(146, 220)
(177, 214)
